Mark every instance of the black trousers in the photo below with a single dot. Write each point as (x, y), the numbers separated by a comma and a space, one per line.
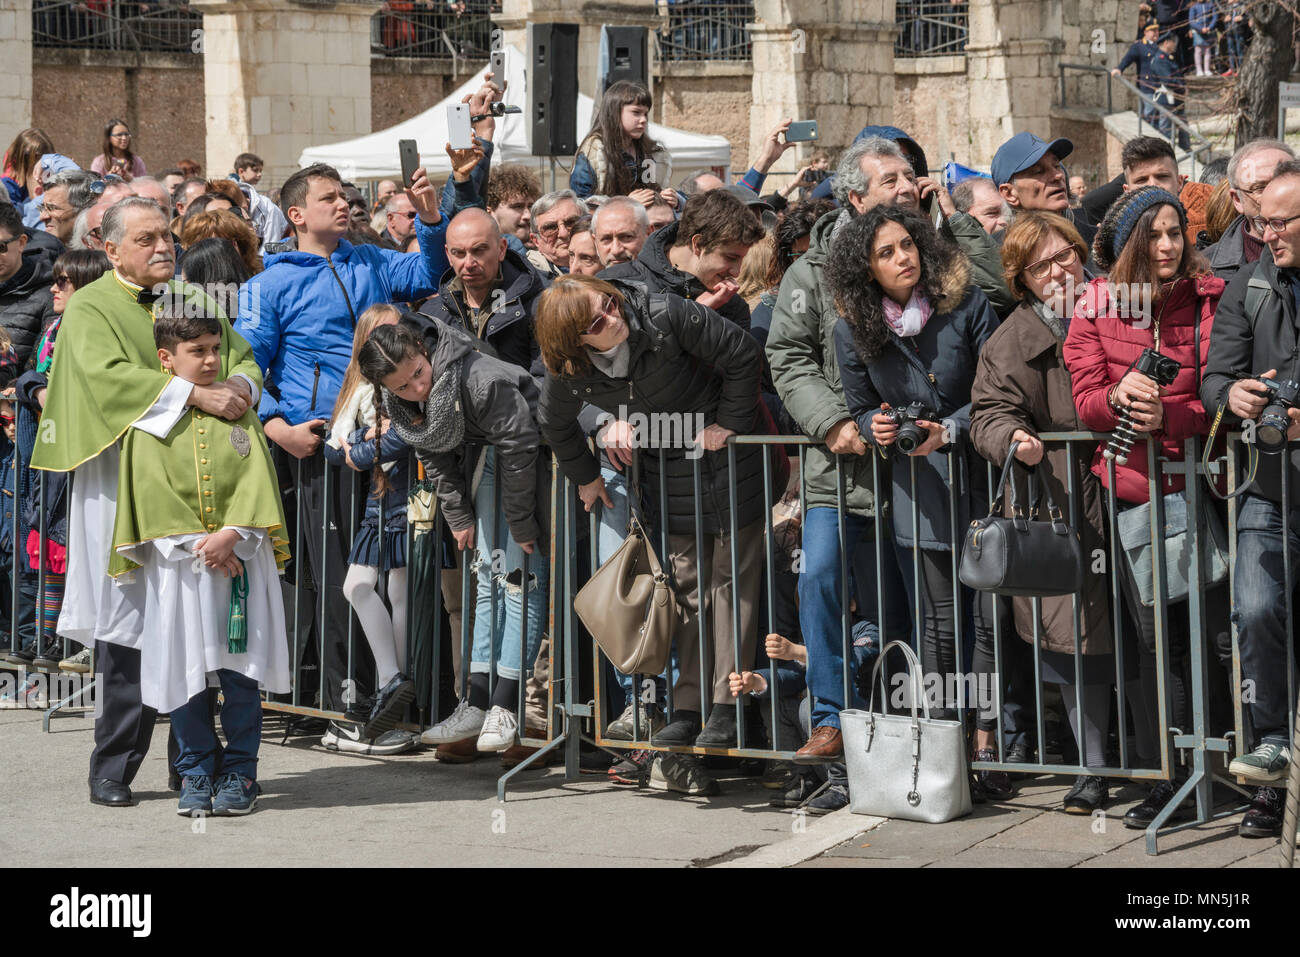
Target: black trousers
(124, 725)
(327, 520)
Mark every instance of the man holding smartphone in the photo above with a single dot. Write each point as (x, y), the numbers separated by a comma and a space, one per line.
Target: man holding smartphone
(299, 316)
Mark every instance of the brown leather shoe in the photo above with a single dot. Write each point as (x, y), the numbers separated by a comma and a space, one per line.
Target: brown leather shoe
(458, 752)
(826, 744)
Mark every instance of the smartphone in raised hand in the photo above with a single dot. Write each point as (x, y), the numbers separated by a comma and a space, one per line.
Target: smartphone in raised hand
(801, 131)
(460, 134)
(410, 156)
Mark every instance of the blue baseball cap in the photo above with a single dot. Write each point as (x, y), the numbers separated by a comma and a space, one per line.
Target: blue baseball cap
(1024, 150)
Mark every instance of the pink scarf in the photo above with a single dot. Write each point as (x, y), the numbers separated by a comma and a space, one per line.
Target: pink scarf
(910, 319)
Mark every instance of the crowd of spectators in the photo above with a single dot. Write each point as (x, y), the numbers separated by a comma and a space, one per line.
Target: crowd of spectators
(469, 336)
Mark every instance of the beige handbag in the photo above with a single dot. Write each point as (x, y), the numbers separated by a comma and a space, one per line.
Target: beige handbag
(629, 607)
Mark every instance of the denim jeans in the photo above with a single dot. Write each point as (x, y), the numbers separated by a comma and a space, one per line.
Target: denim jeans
(498, 562)
(241, 720)
(1260, 614)
(821, 606)
(611, 530)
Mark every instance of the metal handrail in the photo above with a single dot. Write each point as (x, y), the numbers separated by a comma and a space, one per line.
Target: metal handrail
(1175, 119)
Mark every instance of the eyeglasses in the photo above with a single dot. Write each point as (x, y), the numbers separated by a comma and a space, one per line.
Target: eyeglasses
(598, 324)
(1257, 190)
(1066, 258)
(1277, 225)
(120, 136)
(549, 230)
(6, 419)
(5, 244)
(62, 282)
(409, 216)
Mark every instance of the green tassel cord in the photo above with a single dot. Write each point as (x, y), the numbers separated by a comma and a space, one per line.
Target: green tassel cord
(237, 634)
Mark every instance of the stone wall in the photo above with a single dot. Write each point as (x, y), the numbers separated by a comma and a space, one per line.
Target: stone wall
(159, 95)
(708, 98)
(16, 55)
(931, 103)
(400, 88)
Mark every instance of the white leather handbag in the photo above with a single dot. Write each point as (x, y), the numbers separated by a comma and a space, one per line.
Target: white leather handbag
(908, 767)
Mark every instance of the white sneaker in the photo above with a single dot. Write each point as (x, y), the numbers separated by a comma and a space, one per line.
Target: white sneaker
(500, 730)
(461, 725)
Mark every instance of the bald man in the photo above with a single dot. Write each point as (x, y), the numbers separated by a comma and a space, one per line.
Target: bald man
(490, 290)
(150, 188)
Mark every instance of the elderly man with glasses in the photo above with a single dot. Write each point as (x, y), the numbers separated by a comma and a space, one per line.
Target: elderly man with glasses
(67, 194)
(1250, 171)
(553, 218)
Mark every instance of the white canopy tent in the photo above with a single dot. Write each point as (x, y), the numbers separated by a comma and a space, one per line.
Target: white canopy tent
(374, 156)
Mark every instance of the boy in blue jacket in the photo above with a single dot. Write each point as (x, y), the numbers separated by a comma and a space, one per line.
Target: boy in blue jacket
(299, 315)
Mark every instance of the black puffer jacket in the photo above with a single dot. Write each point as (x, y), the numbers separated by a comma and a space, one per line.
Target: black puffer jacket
(654, 269)
(27, 305)
(685, 362)
(509, 329)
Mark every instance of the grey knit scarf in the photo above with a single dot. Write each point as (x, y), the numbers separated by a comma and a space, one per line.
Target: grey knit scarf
(443, 427)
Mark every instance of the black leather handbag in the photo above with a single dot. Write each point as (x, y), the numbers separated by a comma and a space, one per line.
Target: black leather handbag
(1020, 555)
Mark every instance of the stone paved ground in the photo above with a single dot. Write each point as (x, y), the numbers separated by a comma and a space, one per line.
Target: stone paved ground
(327, 809)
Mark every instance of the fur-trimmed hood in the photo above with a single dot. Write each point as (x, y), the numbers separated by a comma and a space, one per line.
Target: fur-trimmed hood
(954, 282)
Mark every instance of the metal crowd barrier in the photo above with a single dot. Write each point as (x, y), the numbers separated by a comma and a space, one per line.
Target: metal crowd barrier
(566, 710)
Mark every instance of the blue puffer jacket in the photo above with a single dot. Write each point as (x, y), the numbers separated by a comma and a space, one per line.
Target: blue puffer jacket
(300, 312)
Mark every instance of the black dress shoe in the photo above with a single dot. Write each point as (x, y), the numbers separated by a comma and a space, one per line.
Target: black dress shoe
(389, 705)
(995, 785)
(1141, 816)
(1088, 794)
(680, 732)
(720, 730)
(110, 793)
(1264, 819)
(1019, 753)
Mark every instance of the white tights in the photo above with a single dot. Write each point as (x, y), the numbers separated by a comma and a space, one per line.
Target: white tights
(386, 634)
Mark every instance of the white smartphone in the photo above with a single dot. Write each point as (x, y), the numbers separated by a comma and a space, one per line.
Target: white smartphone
(497, 60)
(461, 136)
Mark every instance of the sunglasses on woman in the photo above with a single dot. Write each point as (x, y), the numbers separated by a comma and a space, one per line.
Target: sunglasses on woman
(599, 324)
(62, 282)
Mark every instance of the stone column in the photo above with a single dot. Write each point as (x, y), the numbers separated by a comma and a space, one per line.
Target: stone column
(282, 75)
(1012, 54)
(590, 15)
(828, 60)
(16, 55)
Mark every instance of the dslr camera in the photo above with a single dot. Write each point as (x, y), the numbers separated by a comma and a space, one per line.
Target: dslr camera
(1273, 422)
(1161, 370)
(910, 435)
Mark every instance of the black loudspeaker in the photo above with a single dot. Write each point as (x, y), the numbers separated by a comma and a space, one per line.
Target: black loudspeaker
(623, 56)
(553, 89)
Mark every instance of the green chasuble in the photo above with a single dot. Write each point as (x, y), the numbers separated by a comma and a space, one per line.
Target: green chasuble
(205, 475)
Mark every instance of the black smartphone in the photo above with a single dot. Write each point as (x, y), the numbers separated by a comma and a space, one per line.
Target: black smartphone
(318, 430)
(410, 156)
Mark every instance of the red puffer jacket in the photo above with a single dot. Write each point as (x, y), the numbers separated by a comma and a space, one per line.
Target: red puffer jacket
(1102, 345)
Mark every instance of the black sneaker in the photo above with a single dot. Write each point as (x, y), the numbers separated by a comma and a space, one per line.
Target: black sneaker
(995, 785)
(680, 732)
(1088, 794)
(720, 731)
(389, 706)
(21, 658)
(1142, 815)
(48, 657)
(1264, 819)
(832, 799)
(796, 789)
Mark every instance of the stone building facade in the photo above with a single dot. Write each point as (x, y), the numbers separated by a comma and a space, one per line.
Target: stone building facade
(275, 76)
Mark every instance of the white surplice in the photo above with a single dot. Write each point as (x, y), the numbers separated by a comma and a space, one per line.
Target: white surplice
(121, 611)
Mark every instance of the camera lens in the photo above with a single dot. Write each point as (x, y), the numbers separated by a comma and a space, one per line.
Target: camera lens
(910, 438)
(1271, 429)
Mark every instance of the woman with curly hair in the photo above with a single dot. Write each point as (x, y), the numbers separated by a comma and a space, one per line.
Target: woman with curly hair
(911, 329)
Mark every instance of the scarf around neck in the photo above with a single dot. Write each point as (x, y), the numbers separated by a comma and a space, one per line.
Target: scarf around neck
(910, 319)
(443, 427)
